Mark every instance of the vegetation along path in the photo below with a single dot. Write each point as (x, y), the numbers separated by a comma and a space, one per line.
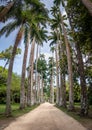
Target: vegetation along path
(45, 117)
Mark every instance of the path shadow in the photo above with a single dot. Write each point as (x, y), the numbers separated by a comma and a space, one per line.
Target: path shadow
(5, 122)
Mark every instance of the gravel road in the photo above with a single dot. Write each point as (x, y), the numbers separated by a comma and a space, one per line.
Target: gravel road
(45, 117)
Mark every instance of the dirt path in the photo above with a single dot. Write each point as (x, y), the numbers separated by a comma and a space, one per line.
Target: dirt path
(45, 117)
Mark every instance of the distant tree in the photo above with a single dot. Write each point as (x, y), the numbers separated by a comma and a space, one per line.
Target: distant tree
(42, 69)
(6, 55)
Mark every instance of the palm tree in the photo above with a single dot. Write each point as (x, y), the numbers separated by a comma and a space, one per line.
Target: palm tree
(57, 37)
(8, 29)
(22, 88)
(54, 37)
(84, 100)
(42, 70)
(51, 76)
(70, 73)
(40, 36)
(20, 20)
(8, 98)
(40, 19)
(43, 34)
(71, 100)
(52, 88)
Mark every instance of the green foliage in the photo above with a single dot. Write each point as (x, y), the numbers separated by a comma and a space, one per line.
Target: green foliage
(76, 91)
(46, 93)
(15, 88)
(42, 66)
(90, 94)
(6, 55)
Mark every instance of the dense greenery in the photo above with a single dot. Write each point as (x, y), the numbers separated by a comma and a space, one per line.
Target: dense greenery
(15, 89)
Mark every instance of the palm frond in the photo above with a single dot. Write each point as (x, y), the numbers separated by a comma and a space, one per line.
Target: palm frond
(11, 28)
(7, 29)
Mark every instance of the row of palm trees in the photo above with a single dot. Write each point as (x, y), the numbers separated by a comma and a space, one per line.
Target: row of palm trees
(29, 17)
(63, 51)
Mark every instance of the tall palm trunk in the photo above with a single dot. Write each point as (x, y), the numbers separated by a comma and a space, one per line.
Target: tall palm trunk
(88, 5)
(62, 85)
(37, 75)
(70, 73)
(42, 85)
(8, 93)
(38, 88)
(5, 11)
(22, 88)
(84, 99)
(57, 77)
(60, 75)
(30, 100)
(51, 89)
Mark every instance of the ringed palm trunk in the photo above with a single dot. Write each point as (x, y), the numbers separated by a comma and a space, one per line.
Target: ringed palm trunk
(57, 77)
(39, 86)
(51, 89)
(22, 88)
(42, 85)
(8, 93)
(62, 92)
(4, 12)
(37, 89)
(88, 5)
(84, 99)
(70, 73)
(30, 100)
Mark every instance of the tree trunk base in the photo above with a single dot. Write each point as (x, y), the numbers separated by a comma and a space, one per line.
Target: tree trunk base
(83, 112)
(71, 108)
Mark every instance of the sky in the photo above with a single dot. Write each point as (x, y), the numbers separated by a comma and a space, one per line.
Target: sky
(6, 42)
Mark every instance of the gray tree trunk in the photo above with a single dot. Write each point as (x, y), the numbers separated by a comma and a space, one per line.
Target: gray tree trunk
(57, 71)
(30, 99)
(70, 73)
(22, 87)
(84, 98)
(8, 90)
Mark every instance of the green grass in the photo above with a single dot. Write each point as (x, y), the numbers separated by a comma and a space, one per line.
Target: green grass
(85, 121)
(72, 114)
(15, 110)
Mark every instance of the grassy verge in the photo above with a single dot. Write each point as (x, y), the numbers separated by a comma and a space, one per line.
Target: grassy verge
(15, 110)
(85, 121)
